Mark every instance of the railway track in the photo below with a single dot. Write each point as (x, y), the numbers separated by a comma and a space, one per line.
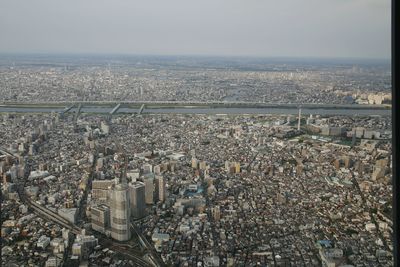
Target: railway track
(54, 217)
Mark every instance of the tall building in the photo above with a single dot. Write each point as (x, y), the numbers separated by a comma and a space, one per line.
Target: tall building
(105, 127)
(299, 120)
(100, 188)
(84, 245)
(137, 198)
(157, 169)
(120, 212)
(147, 168)
(202, 165)
(100, 218)
(194, 163)
(149, 189)
(216, 213)
(237, 167)
(227, 166)
(160, 188)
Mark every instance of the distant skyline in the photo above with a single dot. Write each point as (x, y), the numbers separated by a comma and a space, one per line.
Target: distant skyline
(255, 28)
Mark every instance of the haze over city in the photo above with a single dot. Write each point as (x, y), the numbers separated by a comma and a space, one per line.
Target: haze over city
(313, 28)
(196, 133)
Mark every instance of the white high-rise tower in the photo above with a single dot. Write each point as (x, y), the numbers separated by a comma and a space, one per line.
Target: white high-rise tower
(298, 124)
(120, 212)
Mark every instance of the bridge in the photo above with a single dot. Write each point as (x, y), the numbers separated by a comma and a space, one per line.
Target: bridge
(67, 109)
(141, 109)
(77, 113)
(115, 109)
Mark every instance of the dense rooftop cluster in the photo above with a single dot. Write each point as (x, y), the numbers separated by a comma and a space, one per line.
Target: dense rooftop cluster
(174, 80)
(239, 190)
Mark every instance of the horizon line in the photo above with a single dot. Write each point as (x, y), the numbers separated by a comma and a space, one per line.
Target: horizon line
(2, 53)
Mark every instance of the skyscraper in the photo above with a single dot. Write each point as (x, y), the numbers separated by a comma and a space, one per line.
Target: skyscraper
(160, 188)
(149, 189)
(137, 199)
(120, 212)
(299, 120)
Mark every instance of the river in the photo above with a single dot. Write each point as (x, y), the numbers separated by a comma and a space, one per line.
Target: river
(196, 110)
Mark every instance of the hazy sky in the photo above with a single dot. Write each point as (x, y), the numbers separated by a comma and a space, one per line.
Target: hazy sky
(300, 28)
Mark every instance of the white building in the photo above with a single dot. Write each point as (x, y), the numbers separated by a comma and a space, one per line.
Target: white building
(120, 212)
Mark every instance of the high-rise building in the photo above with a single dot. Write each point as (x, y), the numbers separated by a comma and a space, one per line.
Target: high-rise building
(147, 168)
(137, 198)
(216, 213)
(237, 167)
(105, 127)
(194, 163)
(120, 212)
(149, 189)
(100, 218)
(202, 165)
(84, 245)
(160, 188)
(299, 120)
(100, 188)
(157, 169)
(227, 166)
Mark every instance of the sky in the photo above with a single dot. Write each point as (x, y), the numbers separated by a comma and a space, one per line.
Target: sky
(261, 28)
